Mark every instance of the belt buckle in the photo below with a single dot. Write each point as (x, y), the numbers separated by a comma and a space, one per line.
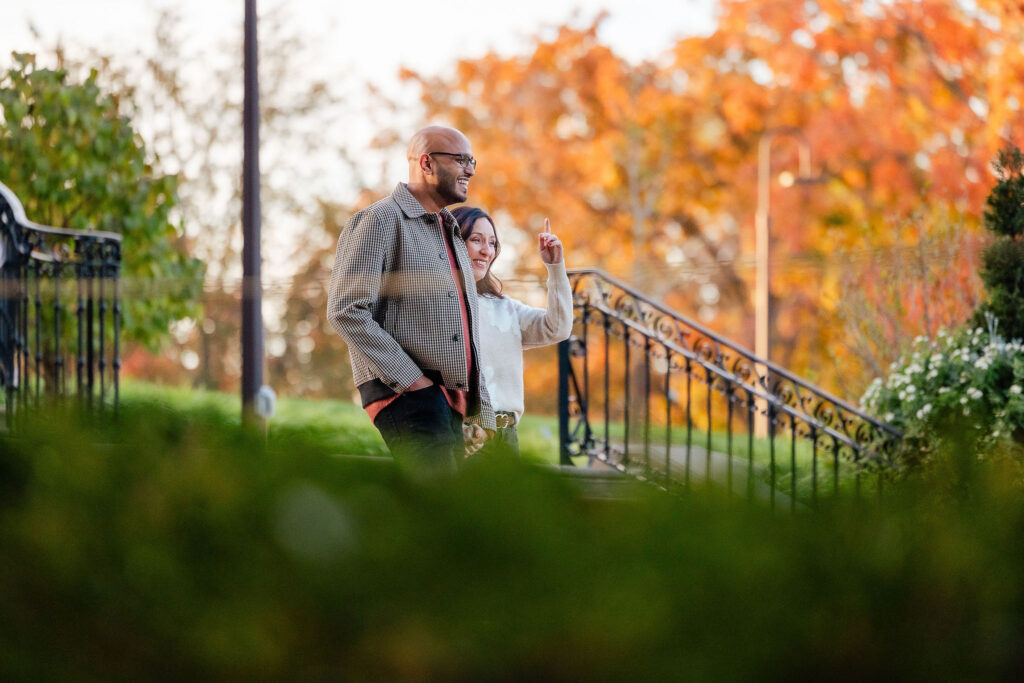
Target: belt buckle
(504, 420)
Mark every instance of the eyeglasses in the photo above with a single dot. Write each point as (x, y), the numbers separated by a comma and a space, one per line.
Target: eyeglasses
(463, 160)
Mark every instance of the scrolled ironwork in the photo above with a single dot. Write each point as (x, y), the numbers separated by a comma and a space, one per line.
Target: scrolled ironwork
(706, 349)
(44, 322)
(669, 355)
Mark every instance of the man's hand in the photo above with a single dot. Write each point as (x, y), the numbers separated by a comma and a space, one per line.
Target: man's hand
(421, 383)
(475, 436)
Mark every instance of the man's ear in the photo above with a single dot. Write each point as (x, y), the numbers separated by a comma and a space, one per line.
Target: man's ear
(427, 164)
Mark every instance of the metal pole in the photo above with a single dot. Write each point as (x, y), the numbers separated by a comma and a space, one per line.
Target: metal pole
(762, 237)
(762, 285)
(252, 318)
(563, 403)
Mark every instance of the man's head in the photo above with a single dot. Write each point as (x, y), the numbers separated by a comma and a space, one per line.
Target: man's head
(440, 166)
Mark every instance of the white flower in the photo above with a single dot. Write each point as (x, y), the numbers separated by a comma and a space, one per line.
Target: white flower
(1015, 389)
(924, 411)
(897, 380)
(944, 390)
(967, 411)
(963, 400)
(933, 374)
(889, 417)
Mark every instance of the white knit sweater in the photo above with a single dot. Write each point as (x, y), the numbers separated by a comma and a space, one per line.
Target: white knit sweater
(507, 327)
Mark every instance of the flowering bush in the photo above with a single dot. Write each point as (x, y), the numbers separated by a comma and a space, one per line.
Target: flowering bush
(968, 385)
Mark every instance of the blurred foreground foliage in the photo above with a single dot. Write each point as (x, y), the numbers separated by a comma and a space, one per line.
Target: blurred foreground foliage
(170, 544)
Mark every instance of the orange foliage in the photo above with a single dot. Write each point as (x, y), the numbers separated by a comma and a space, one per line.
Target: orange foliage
(650, 170)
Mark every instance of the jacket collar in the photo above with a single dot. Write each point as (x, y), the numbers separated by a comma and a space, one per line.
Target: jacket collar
(409, 205)
(412, 208)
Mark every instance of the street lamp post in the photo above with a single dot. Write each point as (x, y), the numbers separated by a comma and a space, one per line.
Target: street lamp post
(762, 234)
(762, 288)
(252, 294)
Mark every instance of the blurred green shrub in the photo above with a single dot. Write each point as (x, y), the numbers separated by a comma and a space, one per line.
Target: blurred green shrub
(168, 545)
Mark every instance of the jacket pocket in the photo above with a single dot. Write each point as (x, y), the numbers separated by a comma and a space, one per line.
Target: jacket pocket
(390, 317)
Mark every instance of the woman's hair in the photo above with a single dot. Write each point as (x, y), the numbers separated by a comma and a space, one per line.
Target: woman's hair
(467, 217)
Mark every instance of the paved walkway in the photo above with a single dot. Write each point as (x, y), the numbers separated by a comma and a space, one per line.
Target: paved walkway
(713, 469)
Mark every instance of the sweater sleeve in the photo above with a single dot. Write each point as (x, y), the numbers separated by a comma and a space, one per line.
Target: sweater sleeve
(543, 326)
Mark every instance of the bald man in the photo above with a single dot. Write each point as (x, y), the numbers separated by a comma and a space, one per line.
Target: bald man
(403, 297)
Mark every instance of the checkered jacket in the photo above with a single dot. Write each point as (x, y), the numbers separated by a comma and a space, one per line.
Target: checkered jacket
(394, 302)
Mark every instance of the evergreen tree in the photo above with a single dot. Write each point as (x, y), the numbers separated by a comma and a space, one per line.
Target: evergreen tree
(1002, 268)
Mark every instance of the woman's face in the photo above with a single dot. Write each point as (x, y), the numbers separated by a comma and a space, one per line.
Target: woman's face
(481, 245)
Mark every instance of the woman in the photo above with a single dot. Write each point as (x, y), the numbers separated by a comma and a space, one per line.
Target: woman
(507, 326)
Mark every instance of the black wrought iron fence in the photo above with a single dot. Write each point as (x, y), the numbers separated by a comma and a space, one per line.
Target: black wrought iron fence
(649, 392)
(60, 312)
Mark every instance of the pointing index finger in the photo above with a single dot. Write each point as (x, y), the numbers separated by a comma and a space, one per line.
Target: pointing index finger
(547, 225)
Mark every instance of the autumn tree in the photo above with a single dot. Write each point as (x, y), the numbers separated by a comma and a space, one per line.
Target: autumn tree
(650, 170)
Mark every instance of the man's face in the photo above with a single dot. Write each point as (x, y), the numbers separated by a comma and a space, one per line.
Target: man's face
(451, 179)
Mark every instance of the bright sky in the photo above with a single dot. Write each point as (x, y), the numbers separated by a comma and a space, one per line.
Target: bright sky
(375, 37)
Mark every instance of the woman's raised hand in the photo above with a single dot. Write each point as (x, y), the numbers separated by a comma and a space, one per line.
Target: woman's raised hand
(549, 245)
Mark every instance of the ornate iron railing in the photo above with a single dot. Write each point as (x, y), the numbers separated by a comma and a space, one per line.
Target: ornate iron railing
(59, 307)
(650, 392)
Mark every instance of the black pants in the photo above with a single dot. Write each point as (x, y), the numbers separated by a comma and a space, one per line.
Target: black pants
(422, 432)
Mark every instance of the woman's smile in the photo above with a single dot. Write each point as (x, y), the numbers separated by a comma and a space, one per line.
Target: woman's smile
(481, 245)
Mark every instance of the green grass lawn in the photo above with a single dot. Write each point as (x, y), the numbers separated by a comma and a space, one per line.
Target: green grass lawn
(341, 425)
(344, 428)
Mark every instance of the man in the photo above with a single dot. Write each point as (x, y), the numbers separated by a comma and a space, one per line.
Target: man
(403, 297)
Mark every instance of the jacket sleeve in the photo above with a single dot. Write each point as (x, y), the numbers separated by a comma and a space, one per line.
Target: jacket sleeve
(366, 245)
(543, 326)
